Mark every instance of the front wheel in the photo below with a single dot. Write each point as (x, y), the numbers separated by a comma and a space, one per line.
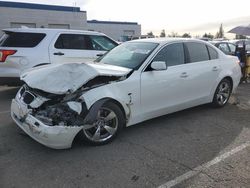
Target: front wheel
(109, 122)
(222, 93)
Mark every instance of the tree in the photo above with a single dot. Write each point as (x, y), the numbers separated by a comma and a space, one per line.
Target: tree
(173, 34)
(209, 35)
(220, 33)
(186, 35)
(163, 34)
(150, 34)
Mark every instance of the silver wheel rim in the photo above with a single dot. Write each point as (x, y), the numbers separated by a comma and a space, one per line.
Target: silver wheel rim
(105, 126)
(223, 93)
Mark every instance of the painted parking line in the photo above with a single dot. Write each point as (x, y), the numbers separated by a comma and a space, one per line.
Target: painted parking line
(5, 112)
(201, 168)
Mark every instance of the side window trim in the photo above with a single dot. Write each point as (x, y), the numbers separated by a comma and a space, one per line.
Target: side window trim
(209, 55)
(186, 53)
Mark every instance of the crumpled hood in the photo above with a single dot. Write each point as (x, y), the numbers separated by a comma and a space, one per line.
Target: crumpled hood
(63, 78)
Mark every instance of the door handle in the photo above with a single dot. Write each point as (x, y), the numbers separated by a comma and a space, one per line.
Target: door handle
(99, 55)
(215, 68)
(58, 53)
(184, 75)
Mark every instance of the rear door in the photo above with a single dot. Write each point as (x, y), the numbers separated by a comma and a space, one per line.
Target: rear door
(203, 68)
(68, 48)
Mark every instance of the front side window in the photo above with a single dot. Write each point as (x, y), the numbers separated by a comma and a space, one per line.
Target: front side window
(129, 55)
(197, 52)
(172, 54)
(102, 43)
(20, 39)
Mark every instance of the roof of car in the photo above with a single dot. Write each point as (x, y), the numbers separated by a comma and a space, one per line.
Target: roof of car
(167, 40)
(49, 30)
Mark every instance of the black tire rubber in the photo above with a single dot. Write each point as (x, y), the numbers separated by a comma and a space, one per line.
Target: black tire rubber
(121, 123)
(215, 102)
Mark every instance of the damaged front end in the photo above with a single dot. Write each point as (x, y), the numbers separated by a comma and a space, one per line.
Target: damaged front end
(52, 109)
(55, 119)
(46, 119)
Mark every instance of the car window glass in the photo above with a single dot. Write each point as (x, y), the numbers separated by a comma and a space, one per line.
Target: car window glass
(223, 47)
(197, 52)
(73, 41)
(101, 43)
(24, 40)
(232, 47)
(212, 52)
(128, 54)
(172, 54)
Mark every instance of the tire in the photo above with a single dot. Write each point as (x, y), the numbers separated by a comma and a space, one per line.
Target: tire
(109, 123)
(222, 93)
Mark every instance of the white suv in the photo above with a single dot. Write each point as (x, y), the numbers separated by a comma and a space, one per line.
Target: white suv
(24, 48)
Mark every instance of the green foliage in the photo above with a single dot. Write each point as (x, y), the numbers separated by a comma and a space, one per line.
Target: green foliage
(150, 34)
(209, 35)
(173, 34)
(186, 35)
(220, 33)
(163, 34)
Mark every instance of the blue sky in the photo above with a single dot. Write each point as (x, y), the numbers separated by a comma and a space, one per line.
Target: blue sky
(192, 16)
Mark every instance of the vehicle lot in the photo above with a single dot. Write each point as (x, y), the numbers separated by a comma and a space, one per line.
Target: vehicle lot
(149, 154)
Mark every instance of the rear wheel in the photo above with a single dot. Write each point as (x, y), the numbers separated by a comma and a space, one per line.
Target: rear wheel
(222, 93)
(109, 122)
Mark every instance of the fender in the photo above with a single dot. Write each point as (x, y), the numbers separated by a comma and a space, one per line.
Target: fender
(107, 92)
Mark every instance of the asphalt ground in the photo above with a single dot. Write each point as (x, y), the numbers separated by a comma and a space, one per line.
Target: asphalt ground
(197, 147)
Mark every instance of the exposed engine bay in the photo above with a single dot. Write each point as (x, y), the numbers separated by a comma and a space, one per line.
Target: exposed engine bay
(65, 109)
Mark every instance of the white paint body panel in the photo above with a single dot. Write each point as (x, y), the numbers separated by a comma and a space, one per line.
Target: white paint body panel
(145, 95)
(65, 78)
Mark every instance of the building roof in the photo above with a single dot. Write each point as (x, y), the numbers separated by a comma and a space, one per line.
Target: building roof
(39, 6)
(112, 22)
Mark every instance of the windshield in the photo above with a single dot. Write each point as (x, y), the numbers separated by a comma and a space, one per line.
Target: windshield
(130, 55)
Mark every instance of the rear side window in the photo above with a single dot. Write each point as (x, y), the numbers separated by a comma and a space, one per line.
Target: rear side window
(212, 52)
(24, 40)
(197, 52)
(172, 54)
(72, 41)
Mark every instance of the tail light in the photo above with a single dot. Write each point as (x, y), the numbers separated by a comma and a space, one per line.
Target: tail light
(5, 53)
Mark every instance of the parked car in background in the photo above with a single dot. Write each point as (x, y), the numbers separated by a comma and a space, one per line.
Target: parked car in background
(225, 46)
(24, 48)
(136, 81)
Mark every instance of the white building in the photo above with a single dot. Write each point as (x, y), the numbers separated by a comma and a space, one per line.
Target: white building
(120, 31)
(16, 14)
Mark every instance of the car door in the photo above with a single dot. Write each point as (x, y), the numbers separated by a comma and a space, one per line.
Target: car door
(162, 91)
(70, 48)
(203, 69)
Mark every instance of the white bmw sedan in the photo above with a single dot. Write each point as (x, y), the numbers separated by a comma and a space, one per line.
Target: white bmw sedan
(134, 82)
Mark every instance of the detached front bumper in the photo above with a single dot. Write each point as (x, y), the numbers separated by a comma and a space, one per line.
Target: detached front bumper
(56, 137)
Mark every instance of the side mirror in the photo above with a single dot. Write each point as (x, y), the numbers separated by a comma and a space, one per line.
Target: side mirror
(159, 65)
